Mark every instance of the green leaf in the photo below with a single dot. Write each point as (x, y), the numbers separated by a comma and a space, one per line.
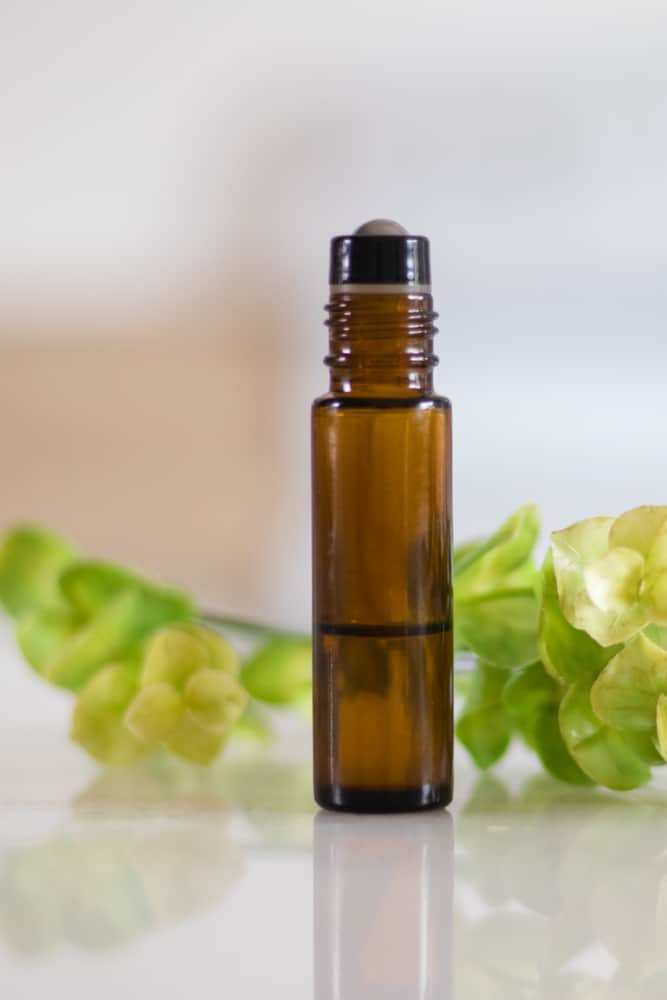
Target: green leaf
(280, 673)
(41, 634)
(465, 553)
(645, 745)
(31, 561)
(495, 599)
(604, 754)
(215, 699)
(108, 635)
(545, 738)
(569, 654)
(90, 586)
(529, 692)
(531, 698)
(625, 695)
(503, 560)
(500, 628)
(97, 721)
(484, 727)
(125, 617)
(462, 682)
(154, 712)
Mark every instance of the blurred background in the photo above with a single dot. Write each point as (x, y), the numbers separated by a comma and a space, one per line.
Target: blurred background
(170, 175)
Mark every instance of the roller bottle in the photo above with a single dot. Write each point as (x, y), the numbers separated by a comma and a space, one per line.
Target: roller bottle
(381, 467)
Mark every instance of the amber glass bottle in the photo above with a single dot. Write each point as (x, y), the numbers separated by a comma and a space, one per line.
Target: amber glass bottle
(381, 466)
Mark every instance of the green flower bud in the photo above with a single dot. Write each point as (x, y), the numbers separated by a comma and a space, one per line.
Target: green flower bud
(189, 697)
(98, 719)
(194, 743)
(280, 672)
(215, 699)
(154, 713)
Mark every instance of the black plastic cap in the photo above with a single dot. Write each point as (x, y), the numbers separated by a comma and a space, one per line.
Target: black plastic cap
(363, 259)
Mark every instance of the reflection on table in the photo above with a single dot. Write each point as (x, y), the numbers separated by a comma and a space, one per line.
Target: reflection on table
(382, 907)
(556, 892)
(561, 892)
(146, 847)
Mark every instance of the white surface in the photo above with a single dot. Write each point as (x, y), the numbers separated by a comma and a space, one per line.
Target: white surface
(171, 881)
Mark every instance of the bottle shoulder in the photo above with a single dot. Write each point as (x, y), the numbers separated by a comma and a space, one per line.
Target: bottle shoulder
(349, 401)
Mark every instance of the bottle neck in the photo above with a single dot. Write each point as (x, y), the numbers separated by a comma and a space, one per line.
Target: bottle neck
(381, 343)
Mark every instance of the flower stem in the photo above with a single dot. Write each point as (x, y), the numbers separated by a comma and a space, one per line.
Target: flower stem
(259, 629)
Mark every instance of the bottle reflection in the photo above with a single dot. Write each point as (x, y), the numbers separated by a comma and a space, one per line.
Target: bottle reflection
(382, 908)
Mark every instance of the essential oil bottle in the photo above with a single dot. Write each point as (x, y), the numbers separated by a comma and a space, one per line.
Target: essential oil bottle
(381, 465)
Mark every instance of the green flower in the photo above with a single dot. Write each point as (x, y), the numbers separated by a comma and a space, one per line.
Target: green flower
(611, 573)
(568, 654)
(626, 693)
(189, 696)
(600, 710)
(98, 718)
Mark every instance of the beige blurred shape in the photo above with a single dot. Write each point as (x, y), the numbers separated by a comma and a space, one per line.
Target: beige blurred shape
(152, 440)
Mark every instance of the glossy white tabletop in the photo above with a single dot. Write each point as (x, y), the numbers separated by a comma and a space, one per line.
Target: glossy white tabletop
(169, 881)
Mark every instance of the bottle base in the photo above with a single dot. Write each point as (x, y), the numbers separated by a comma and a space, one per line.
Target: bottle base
(382, 800)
